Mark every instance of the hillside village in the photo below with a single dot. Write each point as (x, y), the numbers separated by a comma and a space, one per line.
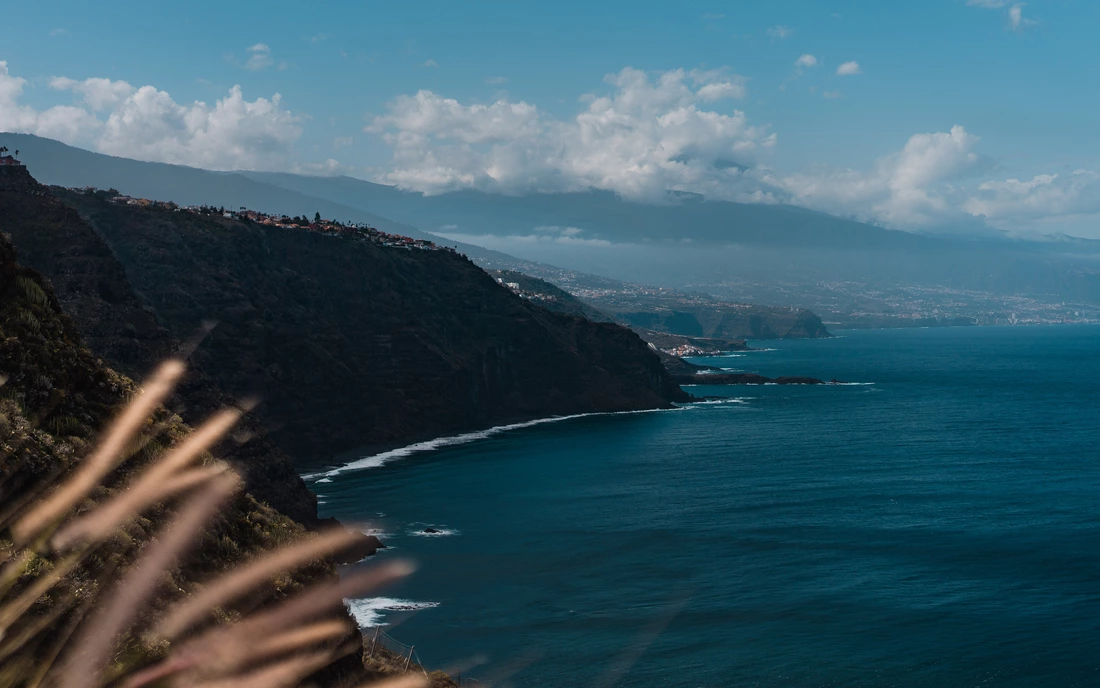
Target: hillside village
(317, 224)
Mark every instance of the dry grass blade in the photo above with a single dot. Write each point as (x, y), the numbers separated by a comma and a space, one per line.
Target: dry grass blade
(283, 674)
(240, 582)
(220, 650)
(282, 644)
(324, 598)
(12, 643)
(301, 638)
(405, 681)
(98, 639)
(102, 522)
(648, 635)
(106, 456)
(13, 569)
(17, 607)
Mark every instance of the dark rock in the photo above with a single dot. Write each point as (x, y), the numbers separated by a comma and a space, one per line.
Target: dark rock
(363, 547)
(431, 530)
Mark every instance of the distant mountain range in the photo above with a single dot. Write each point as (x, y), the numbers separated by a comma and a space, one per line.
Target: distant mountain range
(847, 271)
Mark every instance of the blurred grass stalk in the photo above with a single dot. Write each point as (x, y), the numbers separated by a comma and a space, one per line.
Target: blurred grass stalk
(77, 637)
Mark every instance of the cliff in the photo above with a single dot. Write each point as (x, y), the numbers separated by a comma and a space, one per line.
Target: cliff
(348, 343)
(55, 397)
(94, 290)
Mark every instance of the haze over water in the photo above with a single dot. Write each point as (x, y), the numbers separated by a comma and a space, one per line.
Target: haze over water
(939, 527)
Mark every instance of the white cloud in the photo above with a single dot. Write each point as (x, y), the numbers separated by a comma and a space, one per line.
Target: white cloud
(342, 141)
(849, 69)
(935, 182)
(496, 80)
(98, 94)
(431, 63)
(147, 124)
(906, 189)
(780, 31)
(651, 134)
(657, 132)
(806, 60)
(259, 57)
(1017, 19)
(1042, 200)
(59, 32)
(329, 168)
(13, 116)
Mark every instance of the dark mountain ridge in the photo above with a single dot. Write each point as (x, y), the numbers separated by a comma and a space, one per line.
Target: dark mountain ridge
(349, 344)
(55, 398)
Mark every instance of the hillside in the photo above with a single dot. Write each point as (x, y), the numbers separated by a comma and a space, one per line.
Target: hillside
(716, 320)
(350, 344)
(548, 295)
(94, 290)
(57, 164)
(55, 397)
(354, 200)
(753, 320)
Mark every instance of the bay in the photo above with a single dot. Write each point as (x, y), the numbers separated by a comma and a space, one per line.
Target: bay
(938, 524)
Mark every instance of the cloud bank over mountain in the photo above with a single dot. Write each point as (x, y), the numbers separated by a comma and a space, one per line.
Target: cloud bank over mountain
(145, 123)
(647, 134)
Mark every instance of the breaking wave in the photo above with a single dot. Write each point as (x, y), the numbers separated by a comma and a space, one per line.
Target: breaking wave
(369, 612)
(377, 460)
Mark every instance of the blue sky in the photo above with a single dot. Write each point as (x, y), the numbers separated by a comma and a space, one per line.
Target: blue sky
(506, 82)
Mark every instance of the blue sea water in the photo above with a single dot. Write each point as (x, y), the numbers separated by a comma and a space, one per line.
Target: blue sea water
(939, 527)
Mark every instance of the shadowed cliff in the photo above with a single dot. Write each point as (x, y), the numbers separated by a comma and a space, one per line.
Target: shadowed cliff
(348, 343)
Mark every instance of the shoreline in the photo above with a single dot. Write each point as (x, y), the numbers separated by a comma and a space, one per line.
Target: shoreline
(382, 458)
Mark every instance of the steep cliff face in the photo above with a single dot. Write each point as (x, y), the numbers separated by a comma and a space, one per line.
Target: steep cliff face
(351, 344)
(52, 238)
(92, 287)
(55, 397)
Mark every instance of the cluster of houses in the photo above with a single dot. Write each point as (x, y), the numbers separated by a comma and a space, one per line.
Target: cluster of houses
(8, 160)
(328, 227)
(690, 350)
(529, 295)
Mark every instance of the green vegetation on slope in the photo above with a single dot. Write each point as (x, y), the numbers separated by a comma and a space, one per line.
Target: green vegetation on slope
(350, 344)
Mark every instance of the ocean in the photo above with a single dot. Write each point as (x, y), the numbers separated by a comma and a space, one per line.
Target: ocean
(937, 525)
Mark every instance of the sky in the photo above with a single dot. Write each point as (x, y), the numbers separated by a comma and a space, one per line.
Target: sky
(939, 115)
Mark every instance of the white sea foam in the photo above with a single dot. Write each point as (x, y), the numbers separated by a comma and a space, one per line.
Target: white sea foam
(385, 457)
(368, 530)
(850, 384)
(325, 480)
(369, 612)
(714, 402)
